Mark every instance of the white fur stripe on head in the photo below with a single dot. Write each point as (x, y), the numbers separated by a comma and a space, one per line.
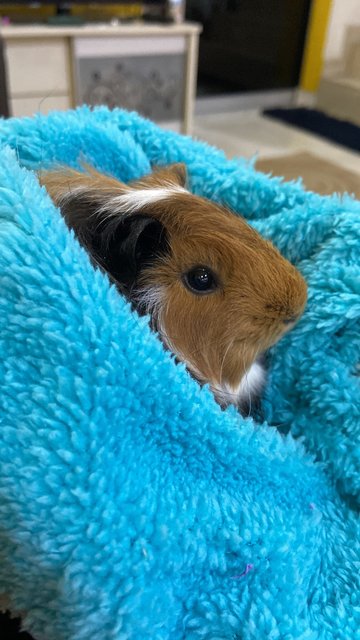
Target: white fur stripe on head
(136, 199)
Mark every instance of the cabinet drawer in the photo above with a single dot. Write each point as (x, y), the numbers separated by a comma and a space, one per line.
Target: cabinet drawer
(38, 67)
(28, 106)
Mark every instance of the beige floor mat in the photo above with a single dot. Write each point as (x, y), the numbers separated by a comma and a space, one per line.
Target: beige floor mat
(318, 175)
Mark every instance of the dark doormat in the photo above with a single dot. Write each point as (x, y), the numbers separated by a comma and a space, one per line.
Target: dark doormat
(338, 131)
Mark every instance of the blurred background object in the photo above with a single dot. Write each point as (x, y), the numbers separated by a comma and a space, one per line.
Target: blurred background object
(4, 103)
(339, 88)
(277, 78)
(249, 45)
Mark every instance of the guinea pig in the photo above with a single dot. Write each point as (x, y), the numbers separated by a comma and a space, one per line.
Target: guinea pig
(218, 294)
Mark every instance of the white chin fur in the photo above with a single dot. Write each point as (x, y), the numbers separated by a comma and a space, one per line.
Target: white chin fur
(249, 388)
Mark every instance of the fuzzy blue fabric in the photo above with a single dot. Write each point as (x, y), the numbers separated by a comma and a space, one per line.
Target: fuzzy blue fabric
(131, 506)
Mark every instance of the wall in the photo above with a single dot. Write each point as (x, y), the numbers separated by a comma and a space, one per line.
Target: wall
(344, 13)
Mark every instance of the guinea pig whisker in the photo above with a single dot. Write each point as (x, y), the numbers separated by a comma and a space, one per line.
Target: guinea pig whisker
(247, 387)
(204, 347)
(163, 334)
(223, 361)
(169, 343)
(249, 394)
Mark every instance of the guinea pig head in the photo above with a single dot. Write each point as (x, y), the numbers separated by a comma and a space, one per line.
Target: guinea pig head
(217, 292)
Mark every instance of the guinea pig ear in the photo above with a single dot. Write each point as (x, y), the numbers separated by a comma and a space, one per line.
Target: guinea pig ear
(175, 174)
(122, 245)
(133, 245)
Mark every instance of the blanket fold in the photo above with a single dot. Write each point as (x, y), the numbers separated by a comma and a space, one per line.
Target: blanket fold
(131, 506)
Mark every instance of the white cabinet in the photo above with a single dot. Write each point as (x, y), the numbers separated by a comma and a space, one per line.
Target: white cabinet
(27, 106)
(37, 66)
(148, 68)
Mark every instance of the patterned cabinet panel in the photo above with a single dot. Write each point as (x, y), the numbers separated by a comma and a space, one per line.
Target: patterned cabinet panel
(144, 74)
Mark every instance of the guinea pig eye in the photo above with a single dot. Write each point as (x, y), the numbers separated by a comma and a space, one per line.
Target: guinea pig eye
(200, 280)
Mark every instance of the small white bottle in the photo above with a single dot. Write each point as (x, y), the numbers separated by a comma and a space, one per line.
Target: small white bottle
(176, 10)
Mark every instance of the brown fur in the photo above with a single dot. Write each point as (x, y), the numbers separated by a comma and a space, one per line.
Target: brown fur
(260, 294)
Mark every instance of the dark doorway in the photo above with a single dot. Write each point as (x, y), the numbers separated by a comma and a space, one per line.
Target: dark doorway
(249, 45)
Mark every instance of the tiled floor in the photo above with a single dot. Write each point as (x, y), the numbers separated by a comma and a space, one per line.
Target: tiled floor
(248, 133)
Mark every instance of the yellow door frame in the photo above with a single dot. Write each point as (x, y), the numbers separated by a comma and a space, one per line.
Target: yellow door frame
(312, 62)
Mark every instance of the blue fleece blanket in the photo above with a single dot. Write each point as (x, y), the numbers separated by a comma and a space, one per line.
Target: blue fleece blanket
(131, 506)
